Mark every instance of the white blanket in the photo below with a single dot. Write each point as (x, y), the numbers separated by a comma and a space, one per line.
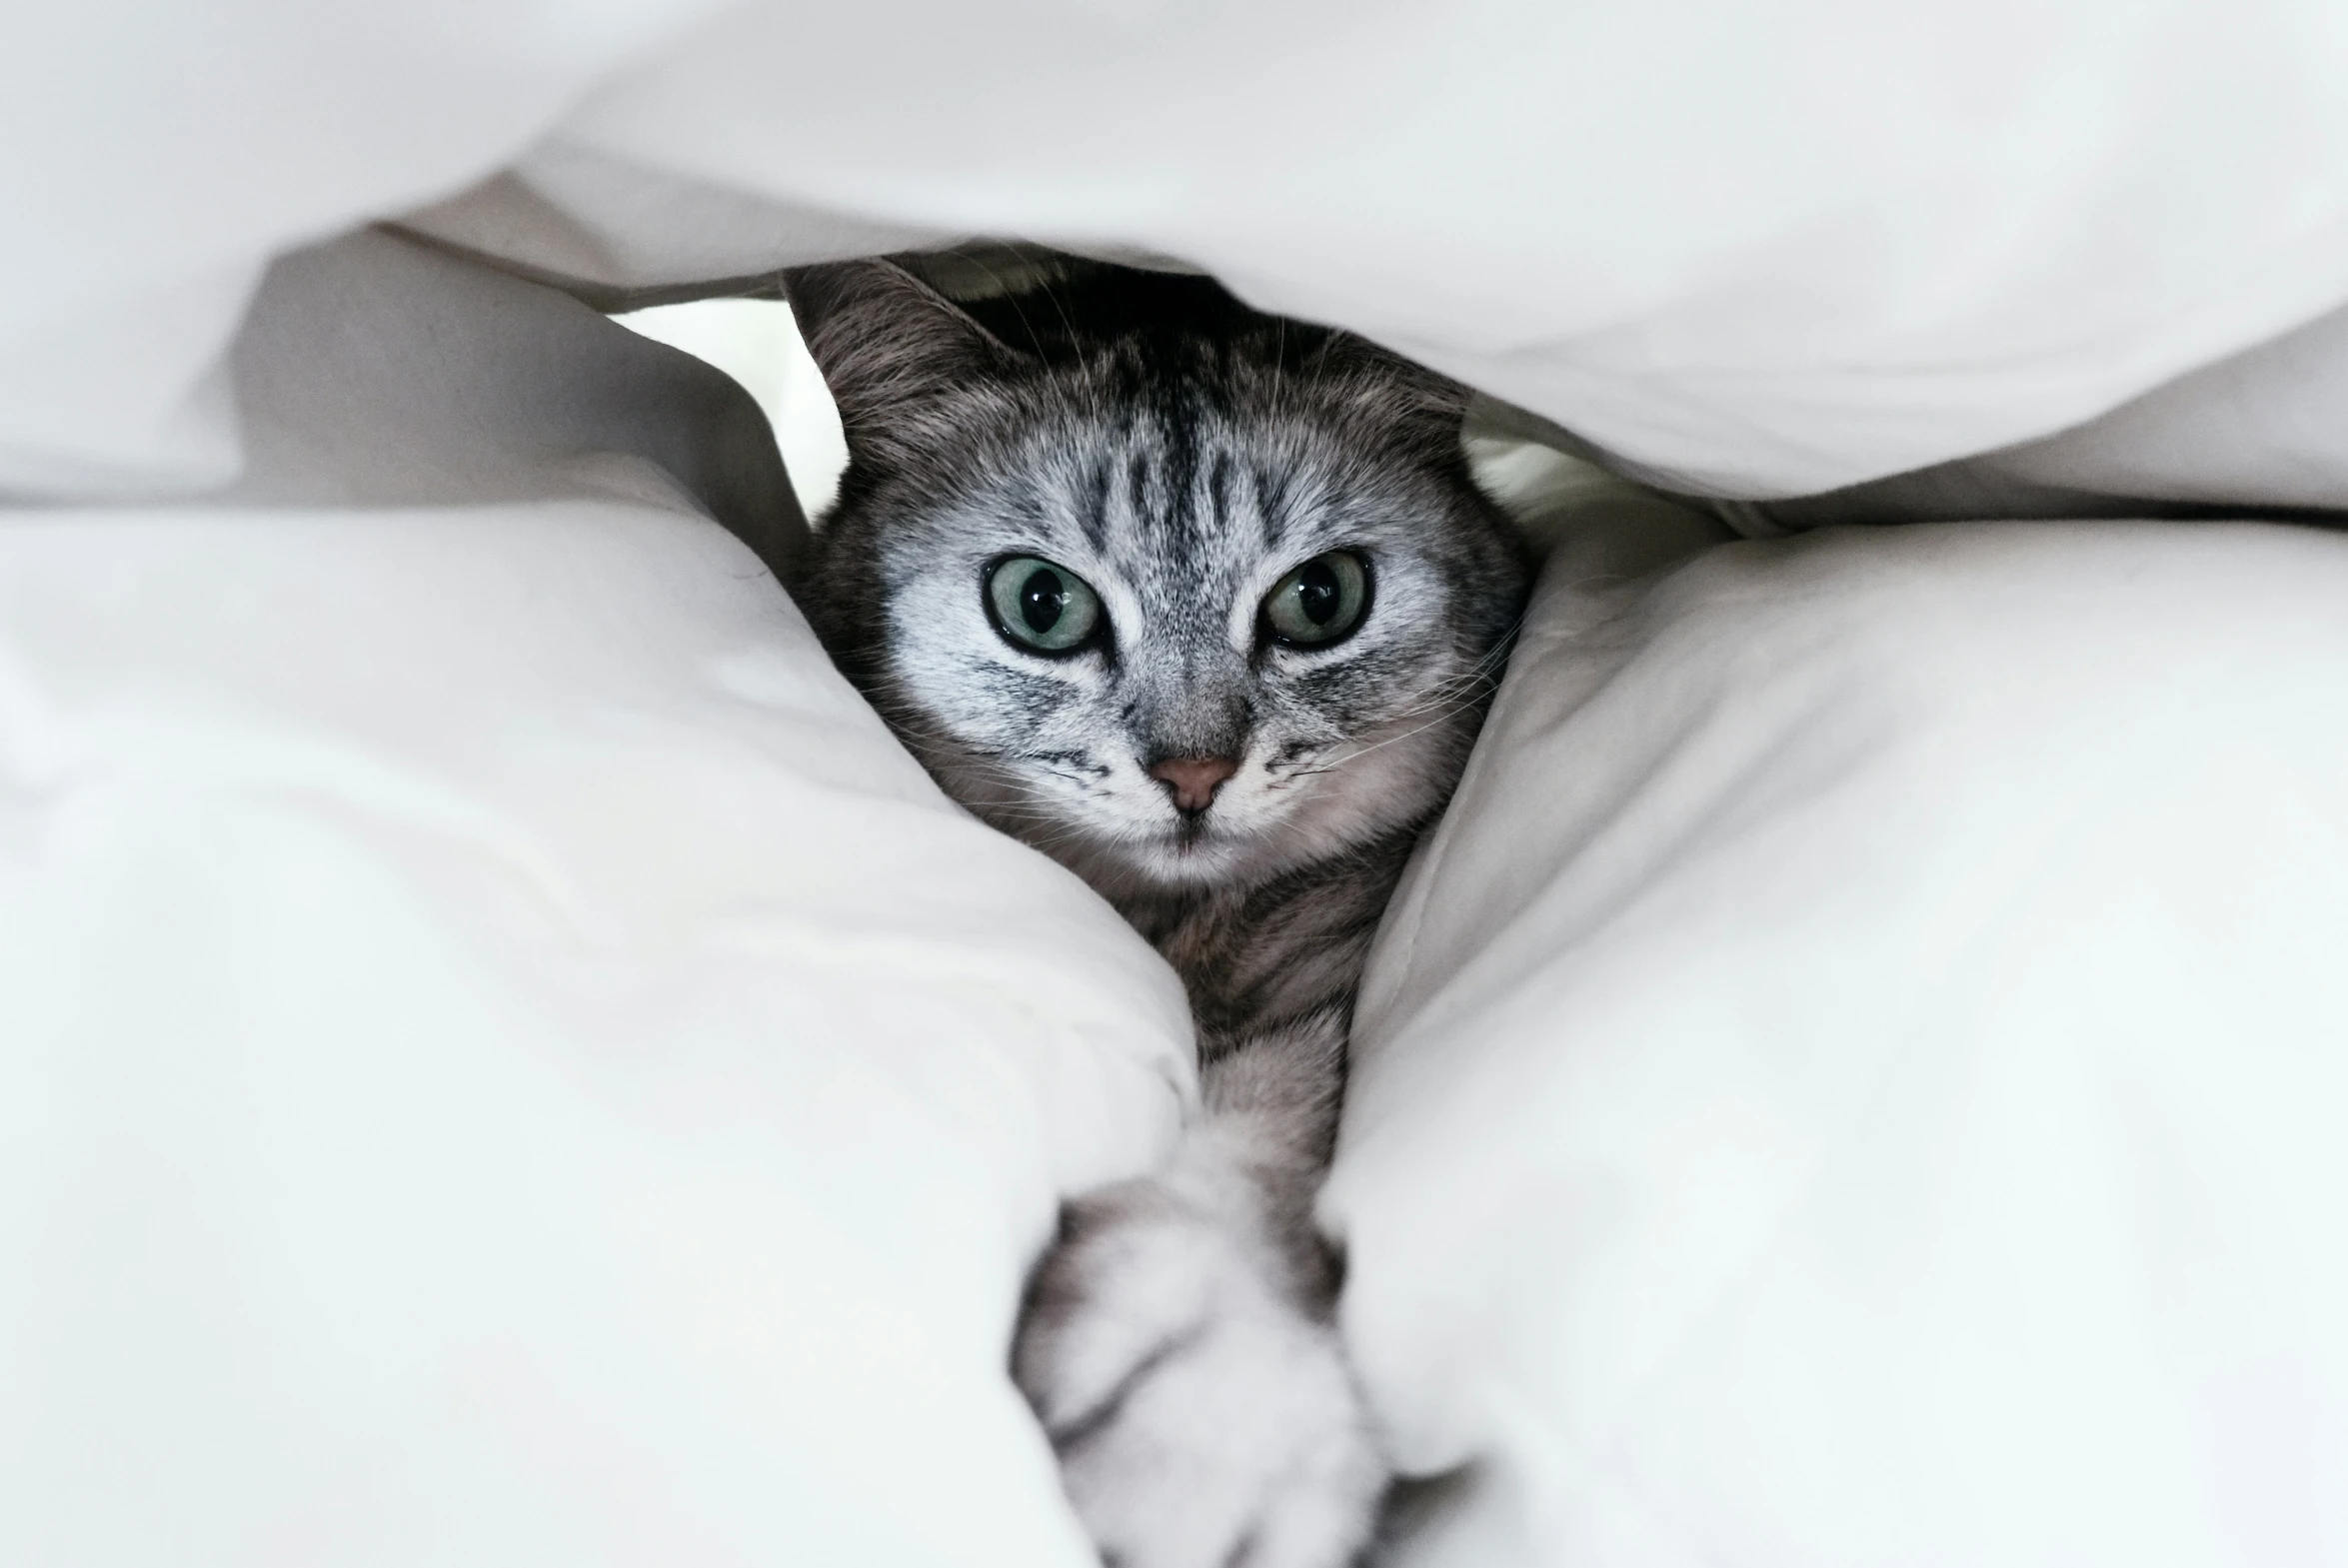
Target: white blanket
(1758, 252)
(502, 1059)
(1857, 1078)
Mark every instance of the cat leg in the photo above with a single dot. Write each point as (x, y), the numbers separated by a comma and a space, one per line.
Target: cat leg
(1178, 1346)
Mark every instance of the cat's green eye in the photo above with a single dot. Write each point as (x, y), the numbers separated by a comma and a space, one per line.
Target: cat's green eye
(1041, 606)
(1321, 600)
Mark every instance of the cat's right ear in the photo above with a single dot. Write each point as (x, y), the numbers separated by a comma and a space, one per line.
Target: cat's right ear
(891, 349)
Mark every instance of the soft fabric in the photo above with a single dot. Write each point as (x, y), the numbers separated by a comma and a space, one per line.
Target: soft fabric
(157, 155)
(2260, 429)
(1858, 1075)
(1760, 253)
(503, 1059)
(381, 372)
(1763, 251)
(625, 236)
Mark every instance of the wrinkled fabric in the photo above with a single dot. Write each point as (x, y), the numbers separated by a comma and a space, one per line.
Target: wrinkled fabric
(1756, 254)
(1856, 1077)
(158, 156)
(503, 1059)
(502, 1056)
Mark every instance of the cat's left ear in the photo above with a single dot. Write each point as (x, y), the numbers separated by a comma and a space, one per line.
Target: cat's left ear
(1398, 398)
(891, 349)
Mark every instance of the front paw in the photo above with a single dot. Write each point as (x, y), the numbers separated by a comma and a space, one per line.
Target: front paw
(1204, 1417)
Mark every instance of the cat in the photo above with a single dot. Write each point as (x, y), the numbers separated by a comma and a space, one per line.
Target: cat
(1205, 604)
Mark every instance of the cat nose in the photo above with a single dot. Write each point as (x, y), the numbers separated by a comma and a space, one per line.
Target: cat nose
(1192, 780)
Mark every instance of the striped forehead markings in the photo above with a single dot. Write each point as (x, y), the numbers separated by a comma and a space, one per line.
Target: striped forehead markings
(1137, 486)
(1092, 506)
(1271, 504)
(1219, 488)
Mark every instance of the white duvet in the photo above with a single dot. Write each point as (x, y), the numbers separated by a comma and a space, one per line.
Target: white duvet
(1857, 1078)
(504, 1060)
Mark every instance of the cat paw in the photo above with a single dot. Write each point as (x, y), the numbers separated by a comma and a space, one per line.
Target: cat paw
(1203, 1416)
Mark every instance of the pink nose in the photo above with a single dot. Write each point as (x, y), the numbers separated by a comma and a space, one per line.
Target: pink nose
(1192, 780)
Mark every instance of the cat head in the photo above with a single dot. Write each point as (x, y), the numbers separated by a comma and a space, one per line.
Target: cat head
(1182, 593)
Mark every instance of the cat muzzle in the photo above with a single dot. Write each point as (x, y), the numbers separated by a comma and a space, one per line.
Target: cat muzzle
(1193, 780)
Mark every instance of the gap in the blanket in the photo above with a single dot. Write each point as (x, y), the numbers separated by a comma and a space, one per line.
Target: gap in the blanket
(758, 343)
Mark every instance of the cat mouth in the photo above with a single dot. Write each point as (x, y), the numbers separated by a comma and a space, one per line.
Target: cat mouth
(1192, 832)
(1200, 850)
(1183, 834)
(1204, 835)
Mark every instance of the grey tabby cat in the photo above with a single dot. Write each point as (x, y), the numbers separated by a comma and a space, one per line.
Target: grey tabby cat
(1203, 604)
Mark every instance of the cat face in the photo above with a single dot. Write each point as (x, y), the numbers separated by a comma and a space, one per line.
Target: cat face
(1168, 606)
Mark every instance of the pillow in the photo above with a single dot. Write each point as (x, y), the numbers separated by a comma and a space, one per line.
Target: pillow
(1856, 1075)
(506, 1058)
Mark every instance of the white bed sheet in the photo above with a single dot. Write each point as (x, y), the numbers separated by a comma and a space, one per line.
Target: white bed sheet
(503, 1059)
(1759, 254)
(508, 1062)
(1856, 1076)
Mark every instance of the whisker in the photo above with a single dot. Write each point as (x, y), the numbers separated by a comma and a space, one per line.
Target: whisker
(1354, 756)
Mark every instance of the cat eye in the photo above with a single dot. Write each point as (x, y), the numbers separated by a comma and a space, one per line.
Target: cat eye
(1041, 606)
(1321, 600)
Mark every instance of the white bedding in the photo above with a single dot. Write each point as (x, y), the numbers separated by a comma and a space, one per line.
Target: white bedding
(1756, 253)
(503, 1059)
(1857, 1078)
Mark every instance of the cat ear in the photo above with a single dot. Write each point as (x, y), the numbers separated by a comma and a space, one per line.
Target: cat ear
(888, 343)
(1397, 396)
